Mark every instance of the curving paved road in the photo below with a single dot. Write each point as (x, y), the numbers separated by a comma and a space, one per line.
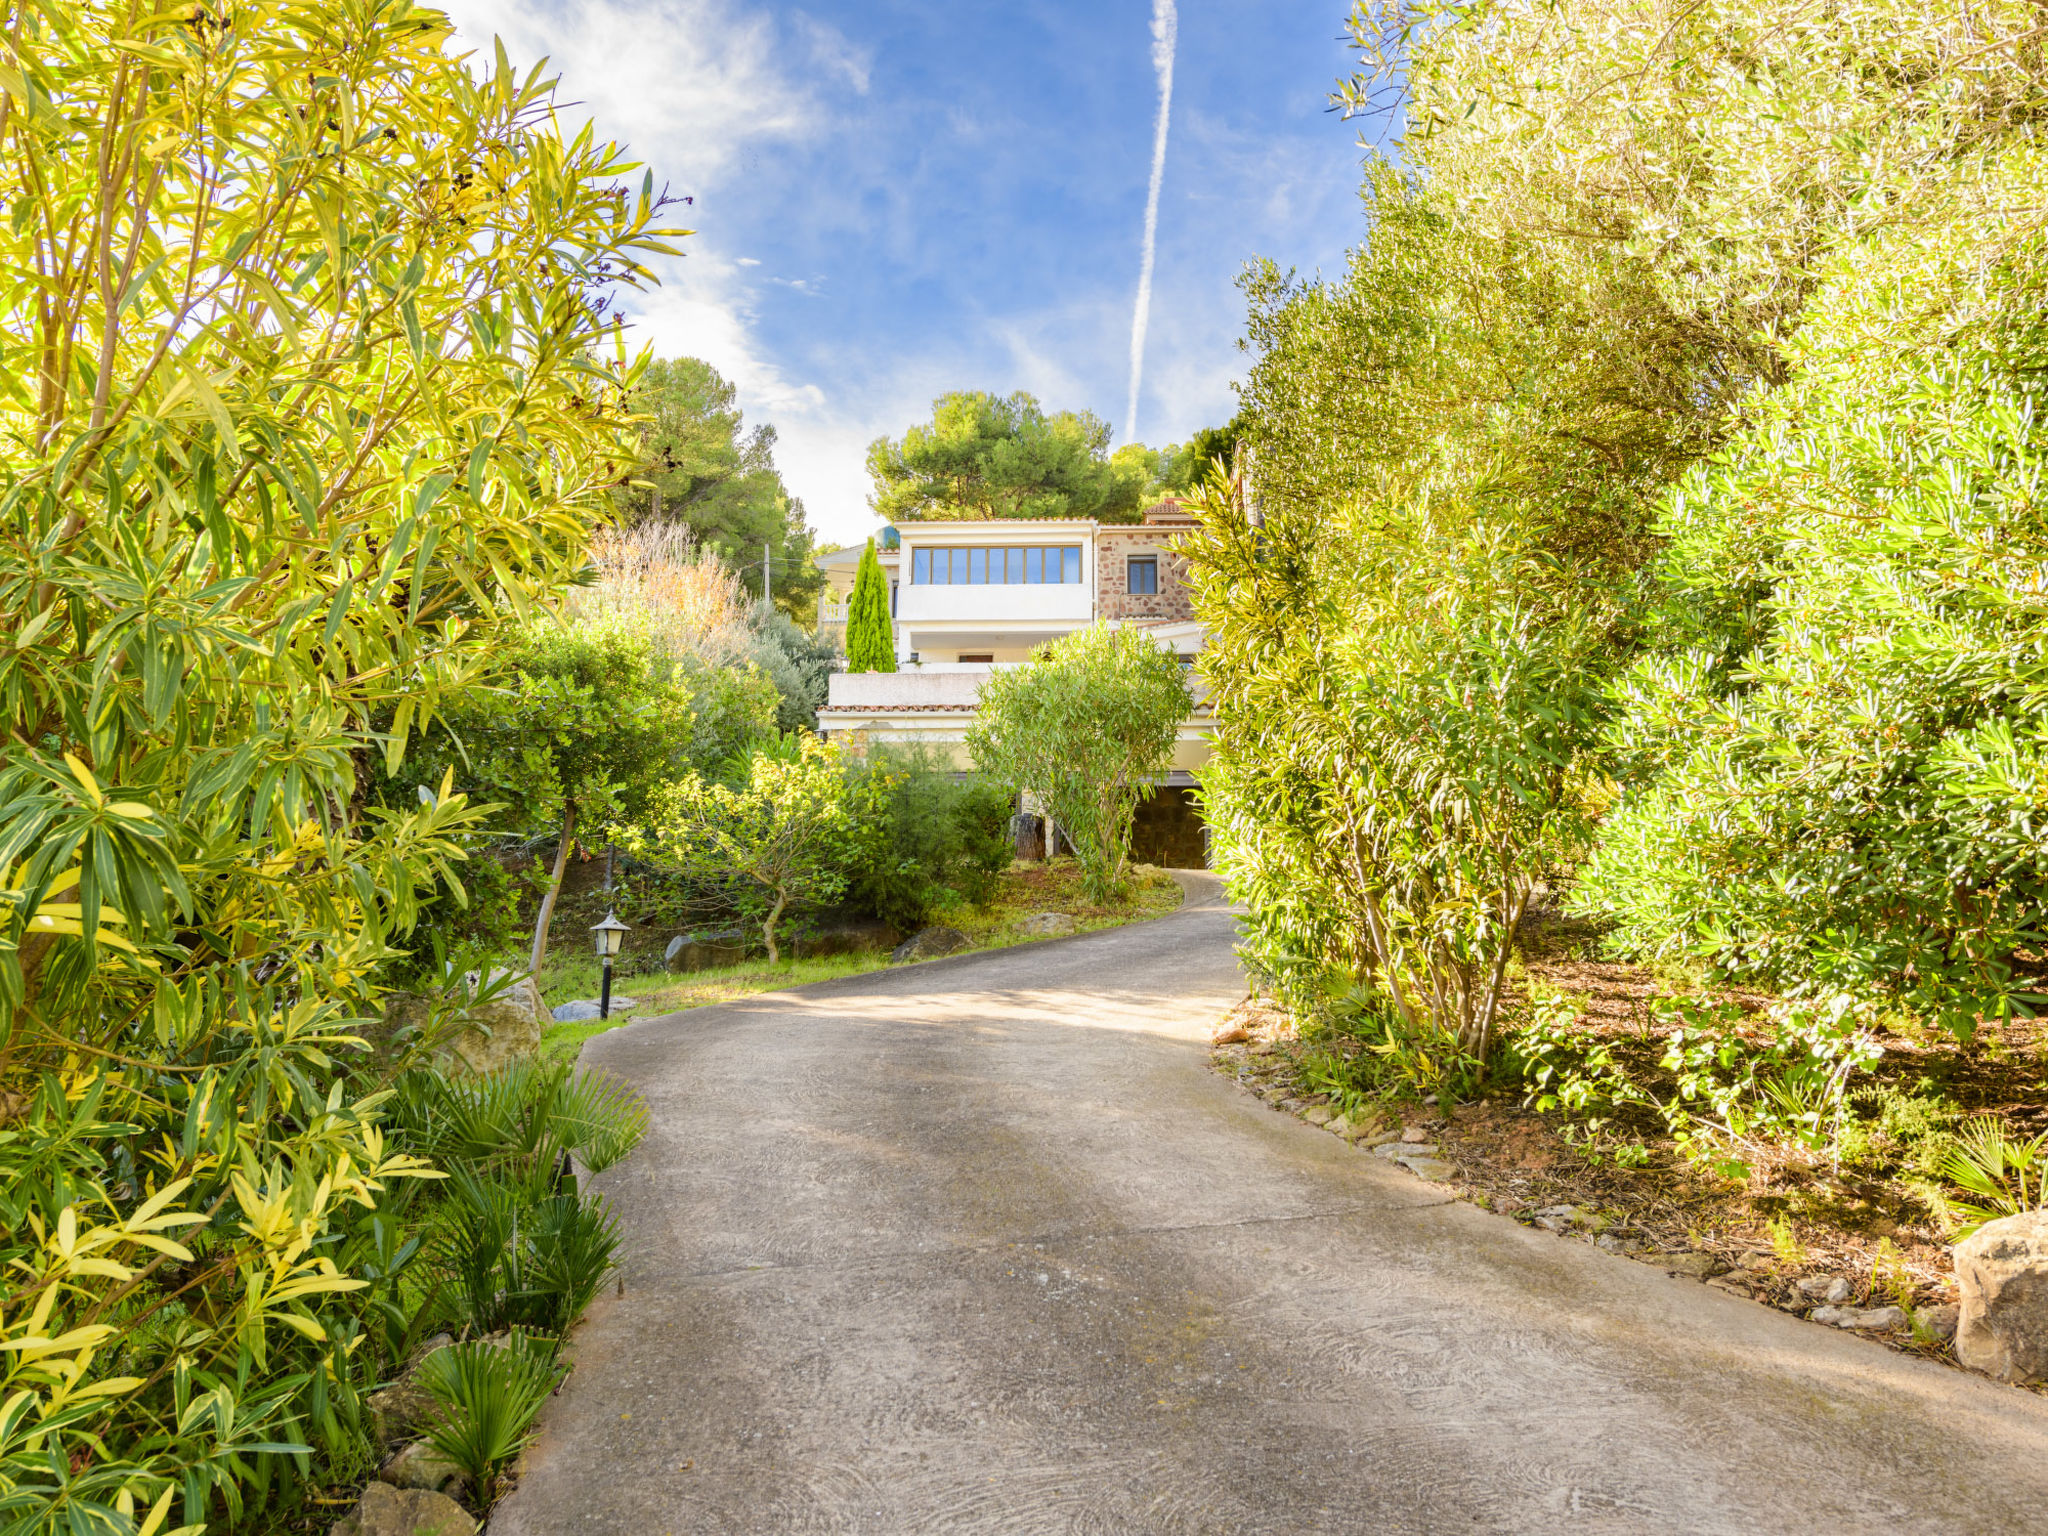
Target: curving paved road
(981, 1246)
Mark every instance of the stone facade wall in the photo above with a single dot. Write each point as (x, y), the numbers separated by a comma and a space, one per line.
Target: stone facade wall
(1113, 549)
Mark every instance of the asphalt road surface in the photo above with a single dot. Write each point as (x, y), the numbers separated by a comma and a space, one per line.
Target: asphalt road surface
(981, 1245)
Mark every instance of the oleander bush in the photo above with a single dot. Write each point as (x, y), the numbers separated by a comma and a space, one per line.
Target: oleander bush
(308, 400)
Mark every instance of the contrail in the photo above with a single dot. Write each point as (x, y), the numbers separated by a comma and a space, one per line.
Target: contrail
(1165, 27)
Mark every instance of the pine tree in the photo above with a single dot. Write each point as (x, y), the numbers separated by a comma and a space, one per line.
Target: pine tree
(870, 635)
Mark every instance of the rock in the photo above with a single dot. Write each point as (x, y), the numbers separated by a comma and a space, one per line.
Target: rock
(1414, 1133)
(418, 1465)
(1319, 1114)
(484, 1038)
(388, 1511)
(586, 1008)
(1430, 1168)
(1937, 1323)
(1562, 1218)
(1375, 1139)
(1230, 1034)
(1864, 1319)
(1832, 1289)
(1697, 1265)
(688, 952)
(1047, 924)
(1394, 1151)
(853, 938)
(397, 1412)
(929, 944)
(2002, 1283)
(1621, 1245)
(1507, 1205)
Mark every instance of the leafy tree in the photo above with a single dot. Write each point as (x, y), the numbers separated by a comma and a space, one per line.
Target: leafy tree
(700, 467)
(586, 728)
(1087, 727)
(303, 412)
(786, 831)
(870, 631)
(993, 456)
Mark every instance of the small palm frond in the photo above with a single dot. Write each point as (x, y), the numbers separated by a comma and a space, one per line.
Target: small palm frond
(2008, 1176)
(487, 1397)
(597, 1117)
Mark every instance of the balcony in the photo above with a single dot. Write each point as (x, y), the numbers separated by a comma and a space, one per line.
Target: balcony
(1065, 602)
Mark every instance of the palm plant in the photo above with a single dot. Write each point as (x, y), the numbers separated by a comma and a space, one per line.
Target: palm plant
(487, 1396)
(1996, 1167)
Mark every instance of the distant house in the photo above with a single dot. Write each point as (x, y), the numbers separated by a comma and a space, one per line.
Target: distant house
(969, 597)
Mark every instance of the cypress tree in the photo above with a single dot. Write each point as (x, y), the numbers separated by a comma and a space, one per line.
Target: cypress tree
(870, 636)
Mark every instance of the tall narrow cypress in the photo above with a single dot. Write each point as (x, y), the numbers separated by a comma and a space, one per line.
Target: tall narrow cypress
(870, 634)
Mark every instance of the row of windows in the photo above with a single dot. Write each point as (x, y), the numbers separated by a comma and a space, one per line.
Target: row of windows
(996, 567)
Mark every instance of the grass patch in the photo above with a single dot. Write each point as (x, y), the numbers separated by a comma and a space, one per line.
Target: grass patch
(1025, 889)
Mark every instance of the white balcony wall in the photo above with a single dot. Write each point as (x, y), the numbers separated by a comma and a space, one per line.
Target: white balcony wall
(992, 604)
(957, 685)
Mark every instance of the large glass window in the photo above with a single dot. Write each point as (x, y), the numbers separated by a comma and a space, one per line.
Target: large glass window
(1143, 572)
(1004, 566)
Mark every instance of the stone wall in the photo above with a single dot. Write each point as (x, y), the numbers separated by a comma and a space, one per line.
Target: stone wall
(1113, 549)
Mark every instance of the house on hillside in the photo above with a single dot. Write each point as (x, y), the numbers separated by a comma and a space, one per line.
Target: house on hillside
(969, 597)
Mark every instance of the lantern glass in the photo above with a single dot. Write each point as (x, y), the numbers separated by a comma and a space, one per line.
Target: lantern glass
(608, 935)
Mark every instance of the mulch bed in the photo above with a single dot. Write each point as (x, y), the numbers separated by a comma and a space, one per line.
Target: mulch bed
(1793, 1219)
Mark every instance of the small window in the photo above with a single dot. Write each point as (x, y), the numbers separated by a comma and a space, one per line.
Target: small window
(959, 567)
(892, 599)
(985, 656)
(921, 568)
(1072, 566)
(977, 567)
(1143, 575)
(1034, 566)
(1013, 567)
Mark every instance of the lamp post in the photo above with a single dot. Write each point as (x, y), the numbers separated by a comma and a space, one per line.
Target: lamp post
(608, 936)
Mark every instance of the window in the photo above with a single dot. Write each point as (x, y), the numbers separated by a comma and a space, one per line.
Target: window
(1057, 564)
(987, 656)
(1143, 574)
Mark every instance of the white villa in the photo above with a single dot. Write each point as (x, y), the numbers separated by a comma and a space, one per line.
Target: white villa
(970, 597)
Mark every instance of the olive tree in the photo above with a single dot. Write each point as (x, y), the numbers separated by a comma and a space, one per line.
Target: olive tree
(1088, 727)
(785, 833)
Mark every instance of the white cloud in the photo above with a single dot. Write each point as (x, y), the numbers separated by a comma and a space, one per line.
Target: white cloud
(832, 52)
(747, 261)
(687, 84)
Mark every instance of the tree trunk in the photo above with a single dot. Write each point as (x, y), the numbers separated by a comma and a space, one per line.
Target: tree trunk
(547, 902)
(768, 927)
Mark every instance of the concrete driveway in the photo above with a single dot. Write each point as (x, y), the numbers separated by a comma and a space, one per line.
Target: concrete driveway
(982, 1246)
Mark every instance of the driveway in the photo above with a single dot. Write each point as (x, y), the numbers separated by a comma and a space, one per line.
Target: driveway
(982, 1246)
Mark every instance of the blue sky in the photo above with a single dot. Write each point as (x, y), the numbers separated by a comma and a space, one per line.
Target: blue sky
(899, 197)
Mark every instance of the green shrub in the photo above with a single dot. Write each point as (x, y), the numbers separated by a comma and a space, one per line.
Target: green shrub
(935, 838)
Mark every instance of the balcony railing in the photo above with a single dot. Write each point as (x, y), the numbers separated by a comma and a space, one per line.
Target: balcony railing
(831, 615)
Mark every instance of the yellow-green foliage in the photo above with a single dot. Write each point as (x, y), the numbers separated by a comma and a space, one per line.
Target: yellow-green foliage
(301, 404)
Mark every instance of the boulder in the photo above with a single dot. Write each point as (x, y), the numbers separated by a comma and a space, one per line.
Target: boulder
(1047, 924)
(929, 944)
(507, 1028)
(398, 1412)
(855, 938)
(688, 952)
(418, 1465)
(388, 1511)
(2002, 1284)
